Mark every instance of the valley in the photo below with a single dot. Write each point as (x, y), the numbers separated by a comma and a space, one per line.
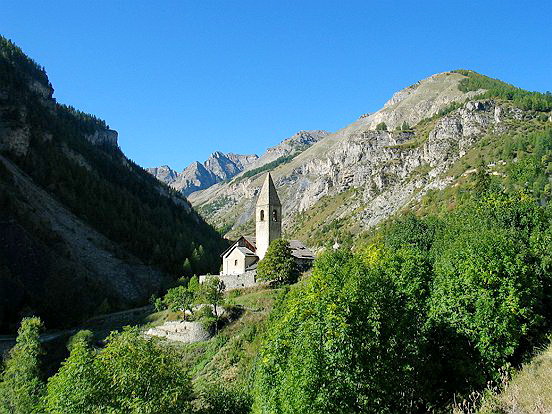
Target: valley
(431, 281)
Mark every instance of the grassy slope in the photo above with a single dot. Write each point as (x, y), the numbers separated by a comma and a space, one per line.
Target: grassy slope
(228, 357)
(529, 391)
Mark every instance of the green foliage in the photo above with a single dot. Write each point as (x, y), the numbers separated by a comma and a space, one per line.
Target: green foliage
(142, 377)
(405, 126)
(346, 341)
(101, 187)
(278, 264)
(86, 336)
(206, 317)
(159, 305)
(489, 281)
(77, 387)
(453, 106)
(269, 166)
(497, 89)
(382, 126)
(130, 375)
(217, 399)
(187, 267)
(409, 230)
(212, 292)
(180, 299)
(531, 170)
(11, 56)
(193, 284)
(22, 386)
(429, 309)
(486, 289)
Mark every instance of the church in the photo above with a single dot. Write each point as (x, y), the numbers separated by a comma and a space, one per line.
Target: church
(239, 261)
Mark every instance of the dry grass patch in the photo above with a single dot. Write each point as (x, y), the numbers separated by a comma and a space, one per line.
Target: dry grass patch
(529, 391)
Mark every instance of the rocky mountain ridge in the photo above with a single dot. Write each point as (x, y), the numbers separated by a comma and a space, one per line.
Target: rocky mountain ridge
(197, 176)
(289, 146)
(221, 167)
(364, 174)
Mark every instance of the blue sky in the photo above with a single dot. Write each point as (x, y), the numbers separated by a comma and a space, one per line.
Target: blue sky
(181, 79)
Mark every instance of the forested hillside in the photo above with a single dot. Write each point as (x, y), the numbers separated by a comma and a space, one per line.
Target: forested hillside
(84, 229)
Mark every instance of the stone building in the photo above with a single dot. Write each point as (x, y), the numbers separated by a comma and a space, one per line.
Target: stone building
(239, 261)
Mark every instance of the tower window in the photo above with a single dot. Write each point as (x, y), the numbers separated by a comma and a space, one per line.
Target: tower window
(274, 215)
(235, 262)
(262, 215)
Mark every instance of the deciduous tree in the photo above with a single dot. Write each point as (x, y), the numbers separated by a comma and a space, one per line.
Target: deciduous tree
(278, 264)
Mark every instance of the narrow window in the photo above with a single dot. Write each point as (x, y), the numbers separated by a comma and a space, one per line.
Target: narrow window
(262, 215)
(274, 215)
(236, 262)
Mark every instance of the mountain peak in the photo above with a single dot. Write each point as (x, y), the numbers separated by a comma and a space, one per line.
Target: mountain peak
(421, 100)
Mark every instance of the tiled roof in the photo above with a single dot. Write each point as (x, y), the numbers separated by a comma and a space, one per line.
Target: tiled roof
(298, 249)
(246, 251)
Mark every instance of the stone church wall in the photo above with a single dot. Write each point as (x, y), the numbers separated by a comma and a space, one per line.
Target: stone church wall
(242, 280)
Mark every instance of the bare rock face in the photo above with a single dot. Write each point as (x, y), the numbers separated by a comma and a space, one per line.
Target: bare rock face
(294, 144)
(181, 331)
(421, 100)
(14, 140)
(104, 137)
(195, 177)
(14, 130)
(220, 167)
(226, 166)
(164, 173)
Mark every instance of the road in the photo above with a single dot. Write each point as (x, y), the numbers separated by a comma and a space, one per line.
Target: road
(108, 322)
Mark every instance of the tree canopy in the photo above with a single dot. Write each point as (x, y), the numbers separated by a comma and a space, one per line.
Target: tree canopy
(22, 385)
(430, 308)
(278, 264)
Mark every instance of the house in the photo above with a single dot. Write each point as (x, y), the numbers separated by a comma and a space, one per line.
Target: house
(239, 261)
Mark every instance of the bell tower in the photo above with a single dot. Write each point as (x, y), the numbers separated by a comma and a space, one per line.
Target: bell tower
(268, 217)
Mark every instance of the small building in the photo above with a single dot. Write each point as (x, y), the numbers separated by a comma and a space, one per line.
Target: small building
(239, 261)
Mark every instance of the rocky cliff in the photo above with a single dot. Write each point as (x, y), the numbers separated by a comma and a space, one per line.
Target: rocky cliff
(165, 174)
(364, 173)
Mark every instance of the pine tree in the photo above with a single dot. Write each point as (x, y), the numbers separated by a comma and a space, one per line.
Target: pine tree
(187, 267)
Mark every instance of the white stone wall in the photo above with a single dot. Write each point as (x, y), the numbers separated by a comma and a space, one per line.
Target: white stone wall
(234, 263)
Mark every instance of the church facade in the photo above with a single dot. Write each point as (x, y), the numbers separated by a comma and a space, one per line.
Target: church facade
(239, 261)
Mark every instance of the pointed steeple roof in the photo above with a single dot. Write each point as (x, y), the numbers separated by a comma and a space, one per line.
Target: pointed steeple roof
(268, 194)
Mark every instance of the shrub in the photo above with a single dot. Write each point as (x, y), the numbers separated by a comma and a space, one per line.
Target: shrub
(217, 399)
(180, 299)
(130, 375)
